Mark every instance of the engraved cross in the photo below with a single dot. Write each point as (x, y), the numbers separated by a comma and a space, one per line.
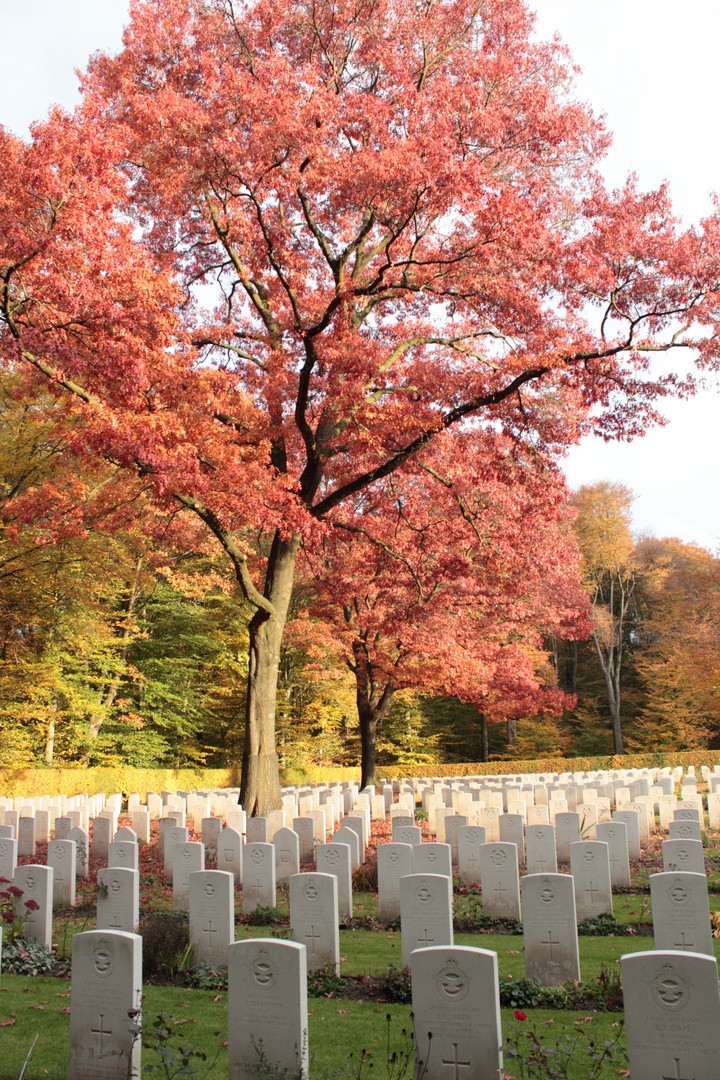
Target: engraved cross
(550, 942)
(460, 1064)
(99, 1030)
(313, 938)
(677, 1075)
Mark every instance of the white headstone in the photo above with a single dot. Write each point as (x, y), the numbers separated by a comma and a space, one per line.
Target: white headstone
(287, 853)
(118, 899)
(540, 853)
(425, 913)
(61, 857)
(672, 1015)
(188, 858)
(394, 861)
(314, 918)
(36, 883)
(549, 928)
(258, 875)
(681, 912)
(499, 879)
(684, 855)
(229, 846)
(106, 988)
(267, 1008)
(456, 1000)
(470, 838)
(212, 916)
(432, 859)
(590, 867)
(336, 859)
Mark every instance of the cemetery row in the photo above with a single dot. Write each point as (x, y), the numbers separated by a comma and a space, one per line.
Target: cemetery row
(672, 1011)
(414, 877)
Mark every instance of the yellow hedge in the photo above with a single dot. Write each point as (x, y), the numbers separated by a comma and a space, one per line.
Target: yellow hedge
(67, 781)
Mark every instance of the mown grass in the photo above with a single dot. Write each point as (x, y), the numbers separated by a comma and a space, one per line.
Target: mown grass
(343, 1035)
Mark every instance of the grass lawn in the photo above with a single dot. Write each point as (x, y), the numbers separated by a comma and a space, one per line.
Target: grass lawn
(339, 1031)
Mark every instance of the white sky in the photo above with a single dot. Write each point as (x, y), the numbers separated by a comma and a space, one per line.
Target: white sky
(650, 65)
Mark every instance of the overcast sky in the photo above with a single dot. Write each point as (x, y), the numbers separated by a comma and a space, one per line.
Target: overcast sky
(649, 65)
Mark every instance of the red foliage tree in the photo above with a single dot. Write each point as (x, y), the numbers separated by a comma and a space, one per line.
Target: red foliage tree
(447, 577)
(399, 206)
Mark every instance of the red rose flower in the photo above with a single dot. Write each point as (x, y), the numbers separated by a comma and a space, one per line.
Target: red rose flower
(520, 1015)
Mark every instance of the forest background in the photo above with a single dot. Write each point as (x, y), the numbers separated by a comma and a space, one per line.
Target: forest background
(121, 647)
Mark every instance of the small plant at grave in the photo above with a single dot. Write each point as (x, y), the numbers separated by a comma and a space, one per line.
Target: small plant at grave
(605, 925)
(266, 916)
(203, 977)
(174, 1058)
(610, 988)
(557, 1057)
(273, 1070)
(400, 1063)
(397, 985)
(421, 815)
(167, 952)
(324, 982)
(365, 876)
(520, 993)
(13, 923)
(68, 927)
(715, 923)
(29, 958)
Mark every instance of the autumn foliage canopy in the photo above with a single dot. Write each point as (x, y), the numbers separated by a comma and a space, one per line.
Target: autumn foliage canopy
(287, 254)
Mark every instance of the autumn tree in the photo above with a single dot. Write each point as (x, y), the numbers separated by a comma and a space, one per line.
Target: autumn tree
(446, 579)
(678, 649)
(399, 209)
(603, 530)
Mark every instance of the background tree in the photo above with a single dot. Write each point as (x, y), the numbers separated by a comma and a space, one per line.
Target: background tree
(446, 580)
(678, 658)
(400, 208)
(603, 530)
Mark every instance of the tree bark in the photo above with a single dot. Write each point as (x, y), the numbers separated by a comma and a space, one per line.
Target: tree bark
(511, 731)
(260, 787)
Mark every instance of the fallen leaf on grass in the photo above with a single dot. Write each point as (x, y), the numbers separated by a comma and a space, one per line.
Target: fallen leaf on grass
(7, 1023)
(66, 1009)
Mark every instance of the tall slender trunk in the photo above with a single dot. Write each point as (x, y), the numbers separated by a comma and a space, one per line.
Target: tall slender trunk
(98, 718)
(260, 786)
(511, 731)
(50, 735)
(484, 737)
(373, 703)
(610, 662)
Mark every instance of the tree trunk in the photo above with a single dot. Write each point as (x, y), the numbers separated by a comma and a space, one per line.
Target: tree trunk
(511, 731)
(610, 664)
(260, 786)
(484, 737)
(372, 705)
(98, 718)
(50, 736)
